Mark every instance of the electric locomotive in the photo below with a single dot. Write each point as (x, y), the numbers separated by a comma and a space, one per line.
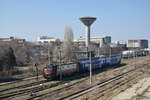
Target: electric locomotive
(53, 71)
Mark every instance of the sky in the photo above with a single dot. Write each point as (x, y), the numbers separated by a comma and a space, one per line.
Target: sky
(120, 19)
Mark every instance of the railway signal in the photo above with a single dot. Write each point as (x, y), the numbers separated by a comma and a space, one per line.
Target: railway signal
(37, 74)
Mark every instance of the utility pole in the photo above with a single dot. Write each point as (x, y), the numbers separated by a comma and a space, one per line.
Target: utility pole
(48, 55)
(90, 58)
(49, 59)
(60, 64)
(110, 54)
(134, 54)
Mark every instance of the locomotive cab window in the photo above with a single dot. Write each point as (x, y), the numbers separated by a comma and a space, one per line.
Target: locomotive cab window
(54, 67)
(49, 68)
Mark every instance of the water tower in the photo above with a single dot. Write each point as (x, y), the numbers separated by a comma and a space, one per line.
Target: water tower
(87, 21)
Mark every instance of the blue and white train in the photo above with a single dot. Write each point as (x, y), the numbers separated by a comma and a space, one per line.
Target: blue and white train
(52, 71)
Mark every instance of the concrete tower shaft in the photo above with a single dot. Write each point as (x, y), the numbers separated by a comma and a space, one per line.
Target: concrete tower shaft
(87, 21)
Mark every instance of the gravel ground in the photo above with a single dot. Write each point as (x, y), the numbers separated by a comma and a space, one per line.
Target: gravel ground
(135, 91)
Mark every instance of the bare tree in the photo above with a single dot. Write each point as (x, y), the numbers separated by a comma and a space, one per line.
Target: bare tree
(23, 53)
(68, 44)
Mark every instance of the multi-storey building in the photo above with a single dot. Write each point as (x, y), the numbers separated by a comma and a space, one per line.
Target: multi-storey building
(46, 39)
(137, 43)
(98, 40)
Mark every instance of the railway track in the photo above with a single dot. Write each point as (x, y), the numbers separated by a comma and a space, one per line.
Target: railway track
(28, 90)
(28, 79)
(98, 85)
(25, 79)
(36, 89)
(40, 88)
(106, 91)
(66, 88)
(23, 86)
(78, 92)
(5, 94)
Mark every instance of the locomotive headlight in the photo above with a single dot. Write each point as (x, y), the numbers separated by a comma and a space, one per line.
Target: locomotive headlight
(46, 71)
